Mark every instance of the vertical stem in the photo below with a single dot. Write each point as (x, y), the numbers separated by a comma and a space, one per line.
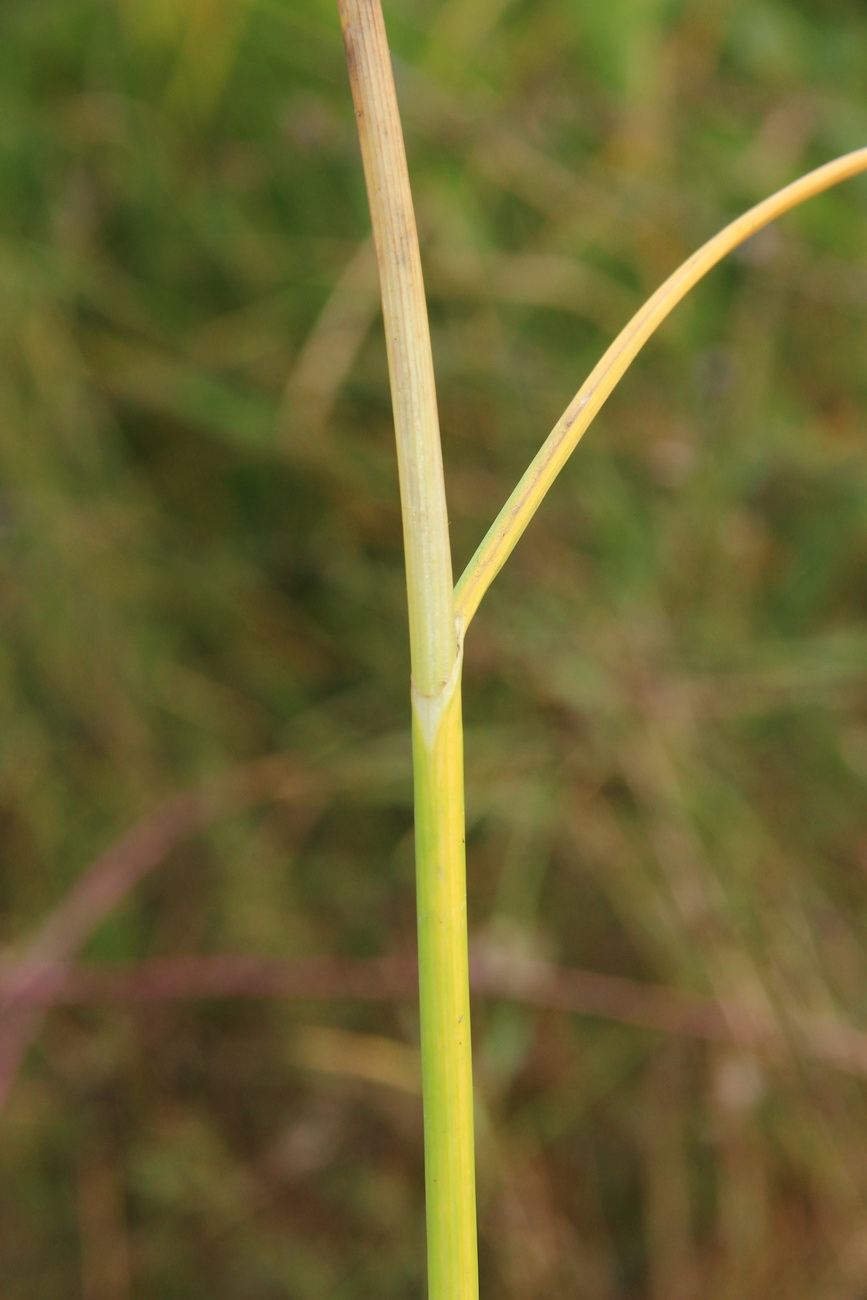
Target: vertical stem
(433, 640)
(444, 994)
(436, 659)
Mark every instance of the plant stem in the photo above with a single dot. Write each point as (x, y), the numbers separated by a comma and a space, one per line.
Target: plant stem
(436, 658)
(447, 1080)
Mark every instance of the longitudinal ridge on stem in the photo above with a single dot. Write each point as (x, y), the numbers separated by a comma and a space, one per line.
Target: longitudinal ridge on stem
(433, 640)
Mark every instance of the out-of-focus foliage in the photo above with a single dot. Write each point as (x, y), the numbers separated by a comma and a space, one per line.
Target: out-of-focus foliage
(666, 691)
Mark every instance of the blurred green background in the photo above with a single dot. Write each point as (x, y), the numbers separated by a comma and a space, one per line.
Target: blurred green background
(666, 691)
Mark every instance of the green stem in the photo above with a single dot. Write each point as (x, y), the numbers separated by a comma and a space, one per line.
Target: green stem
(436, 657)
(444, 994)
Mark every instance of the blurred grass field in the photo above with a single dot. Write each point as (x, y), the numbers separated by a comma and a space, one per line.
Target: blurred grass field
(666, 691)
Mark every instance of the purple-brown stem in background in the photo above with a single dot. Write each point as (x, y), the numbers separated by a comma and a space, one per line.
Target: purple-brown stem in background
(34, 982)
(493, 975)
(46, 973)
